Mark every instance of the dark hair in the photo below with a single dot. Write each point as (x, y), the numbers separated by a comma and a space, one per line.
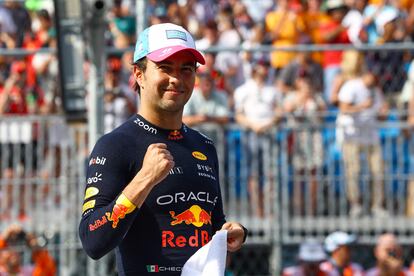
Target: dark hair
(142, 65)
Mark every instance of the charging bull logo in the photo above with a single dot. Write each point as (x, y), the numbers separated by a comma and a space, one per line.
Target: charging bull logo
(175, 135)
(195, 216)
(118, 212)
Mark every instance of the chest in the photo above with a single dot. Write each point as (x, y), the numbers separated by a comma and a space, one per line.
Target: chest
(193, 181)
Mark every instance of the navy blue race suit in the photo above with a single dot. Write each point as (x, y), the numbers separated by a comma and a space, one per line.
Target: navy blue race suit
(180, 214)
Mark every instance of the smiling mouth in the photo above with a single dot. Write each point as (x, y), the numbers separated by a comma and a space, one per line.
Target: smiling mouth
(173, 91)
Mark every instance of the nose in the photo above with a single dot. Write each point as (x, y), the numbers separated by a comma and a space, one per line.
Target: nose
(176, 76)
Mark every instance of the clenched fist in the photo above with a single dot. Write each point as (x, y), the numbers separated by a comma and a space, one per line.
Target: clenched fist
(157, 163)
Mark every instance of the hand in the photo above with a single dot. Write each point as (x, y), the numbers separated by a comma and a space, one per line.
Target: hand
(157, 163)
(366, 104)
(235, 235)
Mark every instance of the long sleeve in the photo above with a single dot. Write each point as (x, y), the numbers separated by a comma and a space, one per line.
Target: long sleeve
(107, 214)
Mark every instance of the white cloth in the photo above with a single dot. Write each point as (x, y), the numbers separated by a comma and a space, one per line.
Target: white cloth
(210, 260)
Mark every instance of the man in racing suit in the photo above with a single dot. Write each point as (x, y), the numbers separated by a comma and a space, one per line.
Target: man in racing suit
(152, 190)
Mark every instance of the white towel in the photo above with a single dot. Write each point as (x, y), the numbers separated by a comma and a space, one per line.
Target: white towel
(209, 260)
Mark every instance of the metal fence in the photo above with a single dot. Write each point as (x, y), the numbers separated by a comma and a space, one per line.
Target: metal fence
(279, 199)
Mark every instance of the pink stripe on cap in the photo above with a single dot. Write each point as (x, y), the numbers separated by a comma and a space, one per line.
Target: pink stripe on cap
(164, 53)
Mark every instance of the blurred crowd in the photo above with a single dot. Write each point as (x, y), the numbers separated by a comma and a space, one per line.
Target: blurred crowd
(29, 85)
(337, 255)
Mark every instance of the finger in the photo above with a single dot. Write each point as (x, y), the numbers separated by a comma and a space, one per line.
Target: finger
(157, 145)
(226, 226)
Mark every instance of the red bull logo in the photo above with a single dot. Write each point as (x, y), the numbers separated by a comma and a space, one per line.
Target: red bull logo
(200, 238)
(98, 223)
(175, 135)
(195, 216)
(118, 212)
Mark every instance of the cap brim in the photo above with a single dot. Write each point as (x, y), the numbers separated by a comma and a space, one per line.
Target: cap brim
(164, 53)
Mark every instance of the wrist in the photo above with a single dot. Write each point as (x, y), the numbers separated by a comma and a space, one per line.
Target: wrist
(245, 233)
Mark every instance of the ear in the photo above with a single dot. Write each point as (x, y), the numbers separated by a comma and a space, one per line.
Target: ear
(139, 76)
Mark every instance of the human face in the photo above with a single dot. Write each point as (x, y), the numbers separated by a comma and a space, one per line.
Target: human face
(167, 85)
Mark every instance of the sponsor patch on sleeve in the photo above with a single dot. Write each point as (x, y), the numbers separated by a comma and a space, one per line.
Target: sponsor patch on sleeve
(122, 207)
(90, 192)
(88, 205)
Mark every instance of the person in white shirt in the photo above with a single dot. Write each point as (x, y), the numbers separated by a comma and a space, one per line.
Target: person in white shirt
(257, 109)
(361, 104)
(207, 104)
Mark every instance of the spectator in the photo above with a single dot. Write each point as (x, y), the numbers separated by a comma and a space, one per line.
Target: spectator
(314, 18)
(389, 257)
(242, 20)
(228, 62)
(209, 37)
(207, 104)
(333, 32)
(352, 66)
(122, 26)
(354, 22)
(257, 108)
(18, 98)
(388, 63)
(12, 239)
(258, 9)
(361, 104)
(376, 17)
(22, 20)
(44, 31)
(119, 104)
(311, 255)
(337, 244)
(301, 64)
(285, 28)
(217, 75)
(46, 68)
(7, 29)
(249, 58)
(304, 108)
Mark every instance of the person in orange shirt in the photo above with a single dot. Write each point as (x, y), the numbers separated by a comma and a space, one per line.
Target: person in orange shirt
(10, 261)
(314, 17)
(285, 28)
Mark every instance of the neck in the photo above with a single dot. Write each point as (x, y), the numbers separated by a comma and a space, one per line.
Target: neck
(169, 120)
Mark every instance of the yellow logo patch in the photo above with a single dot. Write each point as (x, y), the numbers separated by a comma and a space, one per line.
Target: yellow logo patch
(199, 155)
(90, 192)
(88, 205)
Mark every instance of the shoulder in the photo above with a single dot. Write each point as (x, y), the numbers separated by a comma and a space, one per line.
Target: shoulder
(198, 135)
(121, 136)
